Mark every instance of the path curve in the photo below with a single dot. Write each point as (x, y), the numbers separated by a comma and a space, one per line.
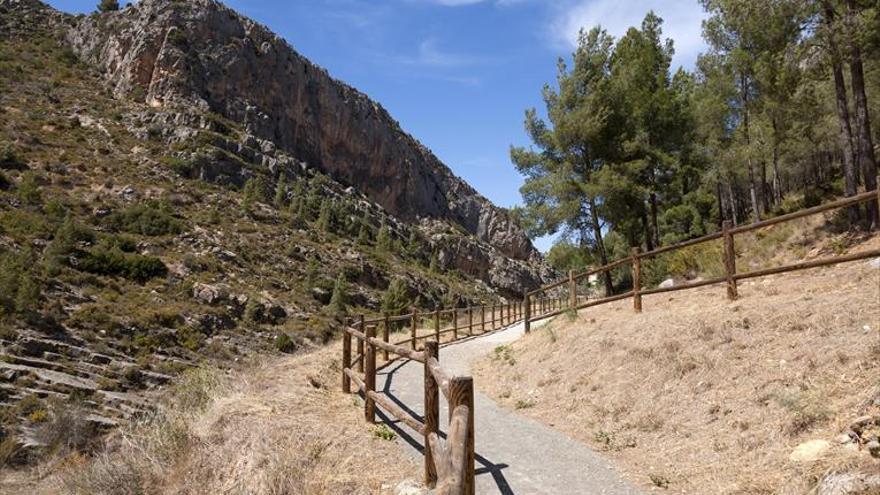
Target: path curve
(515, 455)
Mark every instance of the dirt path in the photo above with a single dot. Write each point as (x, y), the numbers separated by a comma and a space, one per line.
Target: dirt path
(515, 455)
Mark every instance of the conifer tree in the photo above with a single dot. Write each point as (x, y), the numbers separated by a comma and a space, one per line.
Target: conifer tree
(339, 299)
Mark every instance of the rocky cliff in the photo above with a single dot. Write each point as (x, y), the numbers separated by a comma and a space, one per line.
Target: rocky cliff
(200, 54)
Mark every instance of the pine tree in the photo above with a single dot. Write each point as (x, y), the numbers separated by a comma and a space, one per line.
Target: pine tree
(108, 6)
(280, 198)
(325, 217)
(383, 239)
(395, 299)
(434, 267)
(339, 300)
(254, 191)
(364, 232)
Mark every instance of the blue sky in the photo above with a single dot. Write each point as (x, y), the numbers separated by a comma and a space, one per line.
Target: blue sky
(457, 74)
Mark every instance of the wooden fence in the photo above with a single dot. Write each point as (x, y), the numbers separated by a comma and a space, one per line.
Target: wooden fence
(563, 295)
(449, 465)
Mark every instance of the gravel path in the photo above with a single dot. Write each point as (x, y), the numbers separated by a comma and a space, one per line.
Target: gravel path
(515, 455)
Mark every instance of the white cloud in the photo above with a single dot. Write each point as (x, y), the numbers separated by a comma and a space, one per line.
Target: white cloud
(430, 55)
(682, 21)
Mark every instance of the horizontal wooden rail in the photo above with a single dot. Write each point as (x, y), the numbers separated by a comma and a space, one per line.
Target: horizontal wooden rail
(398, 349)
(355, 378)
(681, 245)
(874, 253)
(397, 411)
(841, 203)
(691, 285)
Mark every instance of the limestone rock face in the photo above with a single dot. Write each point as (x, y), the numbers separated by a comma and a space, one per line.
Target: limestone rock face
(200, 54)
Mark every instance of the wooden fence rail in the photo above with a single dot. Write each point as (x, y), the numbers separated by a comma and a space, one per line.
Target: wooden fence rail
(449, 464)
(571, 301)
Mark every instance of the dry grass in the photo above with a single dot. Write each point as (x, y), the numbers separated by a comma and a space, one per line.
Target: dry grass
(282, 428)
(699, 395)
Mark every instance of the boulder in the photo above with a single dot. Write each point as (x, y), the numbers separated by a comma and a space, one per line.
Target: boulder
(849, 484)
(666, 284)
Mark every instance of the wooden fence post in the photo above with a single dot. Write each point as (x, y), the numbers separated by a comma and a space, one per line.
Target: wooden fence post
(470, 320)
(363, 330)
(483, 318)
(437, 325)
(637, 280)
(346, 362)
(432, 411)
(461, 393)
(370, 377)
(455, 323)
(572, 290)
(385, 334)
(528, 313)
(415, 327)
(729, 260)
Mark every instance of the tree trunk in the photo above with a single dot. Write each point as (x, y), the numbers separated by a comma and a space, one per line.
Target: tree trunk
(863, 122)
(655, 225)
(732, 198)
(600, 246)
(646, 225)
(753, 187)
(777, 183)
(765, 188)
(850, 174)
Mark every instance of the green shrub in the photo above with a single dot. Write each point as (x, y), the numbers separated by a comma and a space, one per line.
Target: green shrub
(284, 343)
(115, 262)
(19, 286)
(28, 190)
(8, 157)
(145, 219)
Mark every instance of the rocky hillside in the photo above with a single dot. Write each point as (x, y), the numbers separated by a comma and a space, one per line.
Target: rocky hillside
(178, 56)
(178, 185)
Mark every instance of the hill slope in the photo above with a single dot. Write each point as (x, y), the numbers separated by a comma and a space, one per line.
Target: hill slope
(145, 230)
(706, 396)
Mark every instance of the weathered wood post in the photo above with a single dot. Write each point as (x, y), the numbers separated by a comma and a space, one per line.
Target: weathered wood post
(370, 377)
(483, 318)
(346, 362)
(470, 320)
(572, 290)
(415, 327)
(461, 393)
(637, 280)
(363, 330)
(432, 410)
(729, 260)
(455, 323)
(437, 325)
(528, 314)
(385, 334)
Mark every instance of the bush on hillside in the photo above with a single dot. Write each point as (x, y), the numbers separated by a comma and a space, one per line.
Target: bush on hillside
(145, 219)
(113, 261)
(19, 285)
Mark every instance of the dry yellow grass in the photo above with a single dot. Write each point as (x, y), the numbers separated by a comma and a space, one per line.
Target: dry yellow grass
(281, 428)
(705, 395)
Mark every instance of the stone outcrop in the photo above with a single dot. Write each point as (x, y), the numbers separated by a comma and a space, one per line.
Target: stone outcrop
(200, 54)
